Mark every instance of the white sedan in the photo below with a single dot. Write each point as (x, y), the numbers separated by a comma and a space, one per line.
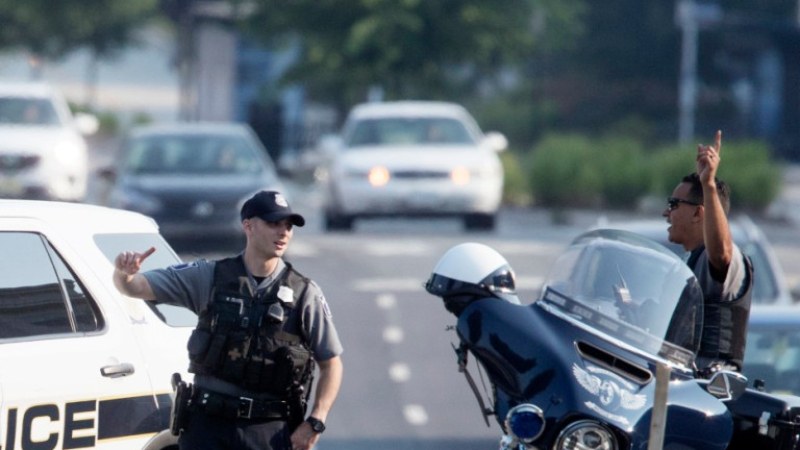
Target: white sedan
(414, 158)
(43, 154)
(82, 365)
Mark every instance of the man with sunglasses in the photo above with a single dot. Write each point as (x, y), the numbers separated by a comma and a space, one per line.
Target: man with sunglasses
(697, 214)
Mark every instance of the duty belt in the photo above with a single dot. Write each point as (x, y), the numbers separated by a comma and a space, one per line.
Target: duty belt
(214, 403)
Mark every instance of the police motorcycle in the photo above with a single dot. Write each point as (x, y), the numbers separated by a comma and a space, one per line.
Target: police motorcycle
(604, 357)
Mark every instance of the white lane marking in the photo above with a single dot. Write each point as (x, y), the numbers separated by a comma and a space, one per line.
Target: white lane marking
(302, 249)
(374, 284)
(398, 248)
(413, 284)
(386, 301)
(299, 248)
(393, 334)
(415, 414)
(527, 248)
(399, 372)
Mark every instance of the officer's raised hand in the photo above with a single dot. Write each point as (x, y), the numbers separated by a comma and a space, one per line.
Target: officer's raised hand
(126, 274)
(131, 262)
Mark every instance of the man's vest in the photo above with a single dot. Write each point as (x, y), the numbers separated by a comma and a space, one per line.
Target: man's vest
(253, 341)
(725, 323)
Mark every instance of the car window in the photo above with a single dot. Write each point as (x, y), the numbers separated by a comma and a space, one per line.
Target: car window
(773, 355)
(400, 131)
(112, 244)
(176, 154)
(27, 111)
(764, 284)
(39, 294)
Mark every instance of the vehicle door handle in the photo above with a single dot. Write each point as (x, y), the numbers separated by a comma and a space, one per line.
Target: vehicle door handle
(117, 370)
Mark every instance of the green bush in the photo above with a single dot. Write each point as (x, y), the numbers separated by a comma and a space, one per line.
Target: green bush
(625, 174)
(667, 166)
(576, 171)
(562, 173)
(755, 180)
(516, 190)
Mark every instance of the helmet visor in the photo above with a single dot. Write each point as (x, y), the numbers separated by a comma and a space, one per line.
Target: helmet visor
(500, 283)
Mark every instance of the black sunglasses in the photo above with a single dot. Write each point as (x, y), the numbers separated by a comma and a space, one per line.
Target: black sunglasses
(673, 203)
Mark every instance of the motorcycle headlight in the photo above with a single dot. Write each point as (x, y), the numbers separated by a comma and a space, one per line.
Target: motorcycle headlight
(525, 422)
(588, 435)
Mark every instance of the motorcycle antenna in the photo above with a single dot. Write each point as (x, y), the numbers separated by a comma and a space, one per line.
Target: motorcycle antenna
(461, 353)
(621, 290)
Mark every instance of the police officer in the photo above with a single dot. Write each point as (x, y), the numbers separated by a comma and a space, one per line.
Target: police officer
(697, 215)
(262, 326)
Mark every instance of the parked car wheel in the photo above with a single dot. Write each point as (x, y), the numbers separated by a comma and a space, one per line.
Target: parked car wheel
(482, 222)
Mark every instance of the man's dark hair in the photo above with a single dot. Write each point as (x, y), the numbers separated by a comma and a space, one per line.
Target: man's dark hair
(696, 190)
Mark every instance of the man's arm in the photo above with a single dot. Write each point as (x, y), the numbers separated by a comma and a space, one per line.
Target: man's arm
(127, 278)
(330, 379)
(716, 232)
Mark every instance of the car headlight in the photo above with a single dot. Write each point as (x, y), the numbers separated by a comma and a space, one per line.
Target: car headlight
(586, 434)
(460, 175)
(378, 176)
(525, 422)
(67, 154)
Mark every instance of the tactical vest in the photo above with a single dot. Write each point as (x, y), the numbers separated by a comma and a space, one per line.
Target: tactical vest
(725, 323)
(253, 341)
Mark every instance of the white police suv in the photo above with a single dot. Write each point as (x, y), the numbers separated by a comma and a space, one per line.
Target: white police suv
(82, 366)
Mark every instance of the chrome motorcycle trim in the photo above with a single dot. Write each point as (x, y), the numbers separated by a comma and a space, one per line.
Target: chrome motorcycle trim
(521, 411)
(610, 392)
(614, 363)
(580, 430)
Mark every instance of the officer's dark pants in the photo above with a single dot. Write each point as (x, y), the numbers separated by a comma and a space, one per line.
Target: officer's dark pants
(204, 432)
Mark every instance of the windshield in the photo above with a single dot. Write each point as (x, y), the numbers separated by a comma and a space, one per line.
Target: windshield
(630, 289)
(27, 111)
(198, 154)
(407, 130)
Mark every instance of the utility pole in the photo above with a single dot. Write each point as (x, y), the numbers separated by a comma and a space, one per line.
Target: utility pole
(181, 12)
(690, 16)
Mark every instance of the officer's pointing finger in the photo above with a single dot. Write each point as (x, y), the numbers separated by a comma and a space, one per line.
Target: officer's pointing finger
(147, 253)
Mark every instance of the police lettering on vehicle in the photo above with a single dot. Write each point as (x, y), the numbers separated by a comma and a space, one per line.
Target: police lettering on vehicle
(82, 423)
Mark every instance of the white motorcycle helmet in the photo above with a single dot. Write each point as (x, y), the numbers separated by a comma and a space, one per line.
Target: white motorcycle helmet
(469, 272)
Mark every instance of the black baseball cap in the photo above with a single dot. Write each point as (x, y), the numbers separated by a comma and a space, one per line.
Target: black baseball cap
(272, 207)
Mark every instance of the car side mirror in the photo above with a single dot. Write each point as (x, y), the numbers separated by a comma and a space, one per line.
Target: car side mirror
(495, 141)
(795, 292)
(727, 385)
(87, 124)
(107, 173)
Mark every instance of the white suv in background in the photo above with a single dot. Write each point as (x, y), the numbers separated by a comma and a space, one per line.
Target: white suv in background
(82, 366)
(43, 154)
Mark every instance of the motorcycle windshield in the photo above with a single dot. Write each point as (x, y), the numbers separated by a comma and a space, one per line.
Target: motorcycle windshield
(628, 288)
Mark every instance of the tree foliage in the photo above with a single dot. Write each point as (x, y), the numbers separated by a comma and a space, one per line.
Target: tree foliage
(52, 29)
(409, 48)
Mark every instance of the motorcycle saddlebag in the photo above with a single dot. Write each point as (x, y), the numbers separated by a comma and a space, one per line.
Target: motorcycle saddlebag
(765, 421)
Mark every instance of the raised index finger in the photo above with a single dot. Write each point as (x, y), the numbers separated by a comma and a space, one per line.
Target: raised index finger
(147, 253)
(718, 141)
